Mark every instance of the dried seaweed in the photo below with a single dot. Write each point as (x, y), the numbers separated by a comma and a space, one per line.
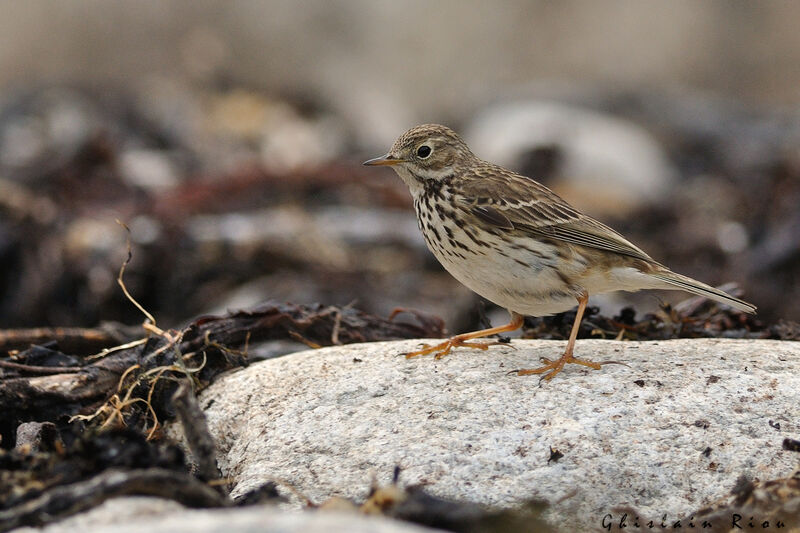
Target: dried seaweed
(66, 500)
(137, 380)
(764, 505)
(695, 318)
(415, 504)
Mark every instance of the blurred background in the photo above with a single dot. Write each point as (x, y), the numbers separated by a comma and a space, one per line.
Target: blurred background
(228, 136)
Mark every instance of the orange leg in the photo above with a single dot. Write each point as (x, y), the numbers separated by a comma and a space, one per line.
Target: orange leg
(444, 348)
(554, 367)
(398, 310)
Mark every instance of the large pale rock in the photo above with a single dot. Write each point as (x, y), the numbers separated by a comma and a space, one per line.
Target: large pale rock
(667, 434)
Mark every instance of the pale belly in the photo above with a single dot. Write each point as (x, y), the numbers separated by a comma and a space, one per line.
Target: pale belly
(534, 289)
(521, 275)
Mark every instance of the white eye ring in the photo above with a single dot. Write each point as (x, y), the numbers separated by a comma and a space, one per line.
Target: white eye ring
(424, 151)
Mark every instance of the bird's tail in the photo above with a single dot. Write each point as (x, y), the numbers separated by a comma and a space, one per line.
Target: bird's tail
(685, 283)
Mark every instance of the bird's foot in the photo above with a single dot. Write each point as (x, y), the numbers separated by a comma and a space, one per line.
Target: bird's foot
(442, 349)
(554, 367)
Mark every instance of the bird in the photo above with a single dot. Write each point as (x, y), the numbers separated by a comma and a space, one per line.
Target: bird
(517, 243)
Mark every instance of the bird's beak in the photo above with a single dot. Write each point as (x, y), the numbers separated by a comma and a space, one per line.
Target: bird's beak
(386, 160)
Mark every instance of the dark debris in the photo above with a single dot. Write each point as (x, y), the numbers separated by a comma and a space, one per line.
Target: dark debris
(27, 475)
(792, 445)
(206, 347)
(415, 504)
(706, 320)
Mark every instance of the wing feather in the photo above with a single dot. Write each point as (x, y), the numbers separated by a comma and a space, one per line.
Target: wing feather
(519, 204)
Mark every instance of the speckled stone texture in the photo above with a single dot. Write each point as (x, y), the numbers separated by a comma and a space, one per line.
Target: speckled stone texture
(667, 434)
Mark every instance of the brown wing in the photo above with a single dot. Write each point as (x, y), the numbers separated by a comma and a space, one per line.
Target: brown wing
(516, 203)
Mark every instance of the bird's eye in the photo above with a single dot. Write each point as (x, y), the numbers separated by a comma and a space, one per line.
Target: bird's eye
(424, 151)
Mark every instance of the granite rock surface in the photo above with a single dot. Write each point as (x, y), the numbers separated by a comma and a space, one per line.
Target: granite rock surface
(667, 432)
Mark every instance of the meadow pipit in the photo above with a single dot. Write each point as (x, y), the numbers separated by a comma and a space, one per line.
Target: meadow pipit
(517, 243)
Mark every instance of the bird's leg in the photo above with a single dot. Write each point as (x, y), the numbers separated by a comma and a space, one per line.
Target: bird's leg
(554, 367)
(444, 348)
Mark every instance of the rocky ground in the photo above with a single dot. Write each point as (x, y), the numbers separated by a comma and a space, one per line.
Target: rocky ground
(669, 432)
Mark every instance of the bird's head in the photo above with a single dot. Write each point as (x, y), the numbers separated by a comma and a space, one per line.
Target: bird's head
(427, 152)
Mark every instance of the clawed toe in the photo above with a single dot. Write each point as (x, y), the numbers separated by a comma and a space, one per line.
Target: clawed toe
(478, 345)
(440, 350)
(553, 367)
(424, 349)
